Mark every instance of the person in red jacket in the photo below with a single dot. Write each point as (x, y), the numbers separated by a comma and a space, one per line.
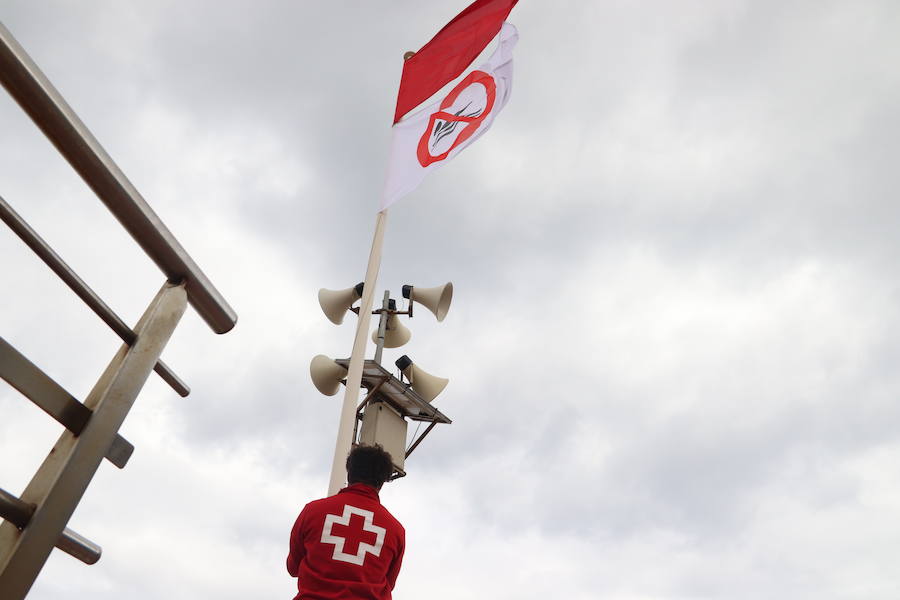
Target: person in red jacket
(348, 546)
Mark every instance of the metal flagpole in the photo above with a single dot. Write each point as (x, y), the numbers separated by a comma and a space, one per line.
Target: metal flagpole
(357, 357)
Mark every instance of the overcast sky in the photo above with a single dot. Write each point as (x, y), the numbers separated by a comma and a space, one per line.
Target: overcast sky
(674, 338)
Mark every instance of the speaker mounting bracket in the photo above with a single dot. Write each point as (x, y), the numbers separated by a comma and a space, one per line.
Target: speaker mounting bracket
(382, 386)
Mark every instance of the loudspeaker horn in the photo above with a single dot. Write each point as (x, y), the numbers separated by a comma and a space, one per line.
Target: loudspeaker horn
(336, 303)
(326, 374)
(436, 299)
(395, 334)
(423, 383)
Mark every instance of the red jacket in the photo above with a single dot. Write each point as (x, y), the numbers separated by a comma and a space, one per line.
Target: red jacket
(346, 547)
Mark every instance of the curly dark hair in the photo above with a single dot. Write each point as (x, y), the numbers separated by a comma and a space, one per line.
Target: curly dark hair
(371, 465)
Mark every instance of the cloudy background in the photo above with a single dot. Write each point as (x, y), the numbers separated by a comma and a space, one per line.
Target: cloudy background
(673, 344)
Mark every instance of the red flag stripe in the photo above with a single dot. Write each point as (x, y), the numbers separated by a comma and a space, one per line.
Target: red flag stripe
(450, 52)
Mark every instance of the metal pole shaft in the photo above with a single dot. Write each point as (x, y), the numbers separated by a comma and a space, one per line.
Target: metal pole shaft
(357, 357)
(382, 325)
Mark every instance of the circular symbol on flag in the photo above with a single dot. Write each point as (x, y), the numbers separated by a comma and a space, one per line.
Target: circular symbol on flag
(442, 124)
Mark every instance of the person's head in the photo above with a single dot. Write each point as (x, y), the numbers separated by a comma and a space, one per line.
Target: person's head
(370, 465)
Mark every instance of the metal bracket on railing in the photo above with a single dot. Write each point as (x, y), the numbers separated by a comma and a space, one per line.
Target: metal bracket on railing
(19, 513)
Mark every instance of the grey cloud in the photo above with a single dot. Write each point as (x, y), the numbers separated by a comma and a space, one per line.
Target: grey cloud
(674, 313)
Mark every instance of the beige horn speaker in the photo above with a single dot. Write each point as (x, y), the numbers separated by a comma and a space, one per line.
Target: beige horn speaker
(395, 334)
(424, 384)
(326, 374)
(336, 303)
(436, 299)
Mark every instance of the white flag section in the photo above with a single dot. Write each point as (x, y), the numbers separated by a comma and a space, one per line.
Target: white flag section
(426, 140)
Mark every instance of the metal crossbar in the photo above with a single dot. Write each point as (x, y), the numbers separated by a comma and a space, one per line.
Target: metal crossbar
(35, 385)
(35, 522)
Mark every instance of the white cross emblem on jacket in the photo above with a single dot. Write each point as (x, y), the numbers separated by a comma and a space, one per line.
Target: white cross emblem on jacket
(338, 541)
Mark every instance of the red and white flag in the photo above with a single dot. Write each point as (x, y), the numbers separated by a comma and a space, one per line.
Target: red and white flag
(427, 139)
